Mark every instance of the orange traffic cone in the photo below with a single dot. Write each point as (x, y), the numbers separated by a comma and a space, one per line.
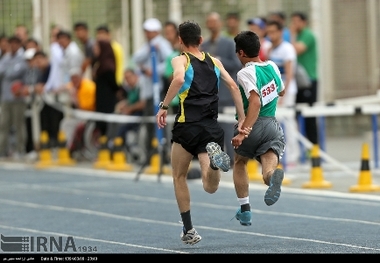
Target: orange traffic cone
(104, 154)
(119, 160)
(253, 170)
(45, 156)
(365, 178)
(64, 157)
(155, 162)
(316, 180)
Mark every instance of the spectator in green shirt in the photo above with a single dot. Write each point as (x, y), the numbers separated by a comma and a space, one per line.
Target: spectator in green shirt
(133, 104)
(305, 43)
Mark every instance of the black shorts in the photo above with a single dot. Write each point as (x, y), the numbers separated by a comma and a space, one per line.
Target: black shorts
(194, 136)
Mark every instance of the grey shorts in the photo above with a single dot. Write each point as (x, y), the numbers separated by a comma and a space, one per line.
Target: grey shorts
(266, 134)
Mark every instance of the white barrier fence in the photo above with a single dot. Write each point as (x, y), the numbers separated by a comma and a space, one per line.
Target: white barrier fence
(368, 105)
(318, 111)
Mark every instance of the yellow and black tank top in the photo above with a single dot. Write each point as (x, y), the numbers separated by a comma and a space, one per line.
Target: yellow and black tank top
(198, 96)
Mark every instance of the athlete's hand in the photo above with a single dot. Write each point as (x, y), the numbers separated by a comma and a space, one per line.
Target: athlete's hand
(237, 140)
(244, 131)
(161, 118)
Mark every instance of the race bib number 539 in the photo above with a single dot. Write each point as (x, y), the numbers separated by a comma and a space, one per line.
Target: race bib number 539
(269, 92)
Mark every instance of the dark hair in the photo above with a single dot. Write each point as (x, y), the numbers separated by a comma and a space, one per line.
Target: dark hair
(278, 25)
(31, 39)
(279, 14)
(299, 14)
(14, 39)
(103, 28)
(172, 24)
(40, 53)
(63, 33)
(234, 15)
(249, 42)
(80, 24)
(190, 33)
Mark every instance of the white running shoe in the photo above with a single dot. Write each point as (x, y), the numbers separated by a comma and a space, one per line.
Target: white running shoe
(191, 237)
(218, 158)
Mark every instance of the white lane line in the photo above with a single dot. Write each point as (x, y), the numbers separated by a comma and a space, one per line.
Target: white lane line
(108, 215)
(290, 238)
(76, 171)
(89, 239)
(72, 191)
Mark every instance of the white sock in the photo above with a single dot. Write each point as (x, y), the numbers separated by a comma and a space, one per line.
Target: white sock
(244, 200)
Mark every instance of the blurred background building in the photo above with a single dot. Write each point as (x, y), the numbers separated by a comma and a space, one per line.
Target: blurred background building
(348, 31)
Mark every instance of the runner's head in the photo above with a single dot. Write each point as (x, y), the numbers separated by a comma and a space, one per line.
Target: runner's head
(247, 44)
(190, 33)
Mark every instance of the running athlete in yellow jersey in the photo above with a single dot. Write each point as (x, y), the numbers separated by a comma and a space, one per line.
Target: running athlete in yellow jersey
(196, 131)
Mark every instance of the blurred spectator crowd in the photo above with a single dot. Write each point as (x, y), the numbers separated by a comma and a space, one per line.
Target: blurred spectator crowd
(90, 73)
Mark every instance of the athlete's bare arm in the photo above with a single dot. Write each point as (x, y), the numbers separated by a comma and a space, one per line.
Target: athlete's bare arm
(179, 64)
(250, 118)
(234, 89)
(179, 67)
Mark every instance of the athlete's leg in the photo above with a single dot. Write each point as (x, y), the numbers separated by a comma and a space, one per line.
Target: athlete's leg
(240, 176)
(210, 177)
(241, 182)
(180, 159)
(272, 176)
(269, 162)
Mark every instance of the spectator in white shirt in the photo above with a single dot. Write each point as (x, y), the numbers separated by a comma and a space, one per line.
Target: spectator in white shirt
(72, 55)
(50, 116)
(284, 55)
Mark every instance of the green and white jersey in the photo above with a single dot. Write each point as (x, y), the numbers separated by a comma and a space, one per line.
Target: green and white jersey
(265, 79)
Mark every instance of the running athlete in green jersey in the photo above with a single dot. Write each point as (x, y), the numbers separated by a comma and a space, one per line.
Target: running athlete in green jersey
(260, 86)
